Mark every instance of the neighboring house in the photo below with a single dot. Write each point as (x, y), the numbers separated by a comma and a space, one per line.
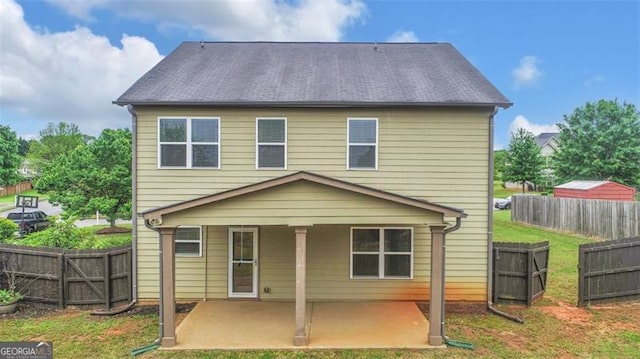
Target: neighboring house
(313, 171)
(548, 143)
(606, 190)
(27, 170)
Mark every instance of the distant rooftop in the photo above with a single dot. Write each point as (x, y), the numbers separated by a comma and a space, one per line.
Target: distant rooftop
(314, 74)
(582, 184)
(544, 137)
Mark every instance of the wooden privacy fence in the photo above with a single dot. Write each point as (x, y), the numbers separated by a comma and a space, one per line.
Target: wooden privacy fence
(519, 272)
(609, 271)
(589, 217)
(15, 189)
(91, 277)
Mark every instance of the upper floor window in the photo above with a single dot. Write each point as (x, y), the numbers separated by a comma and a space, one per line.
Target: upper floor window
(271, 143)
(189, 142)
(362, 143)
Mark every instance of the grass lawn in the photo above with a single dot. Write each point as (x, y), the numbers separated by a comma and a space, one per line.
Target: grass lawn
(31, 192)
(553, 328)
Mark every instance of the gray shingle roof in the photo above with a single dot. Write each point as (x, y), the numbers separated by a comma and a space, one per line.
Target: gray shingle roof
(544, 137)
(314, 74)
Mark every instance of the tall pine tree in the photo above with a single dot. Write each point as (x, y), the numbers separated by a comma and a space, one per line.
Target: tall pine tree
(524, 161)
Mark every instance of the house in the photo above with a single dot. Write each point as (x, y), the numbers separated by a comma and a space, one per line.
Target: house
(312, 171)
(606, 190)
(549, 144)
(28, 170)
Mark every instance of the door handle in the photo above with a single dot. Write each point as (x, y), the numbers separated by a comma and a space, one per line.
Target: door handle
(255, 262)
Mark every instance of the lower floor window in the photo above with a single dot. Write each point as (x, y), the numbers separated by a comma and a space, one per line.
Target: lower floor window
(381, 252)
(188, 241)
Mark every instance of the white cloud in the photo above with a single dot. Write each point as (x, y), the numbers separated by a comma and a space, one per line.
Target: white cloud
(276, 20)
(67, 76)
(403, 36)
(596, 79)
(522, 122)
(527, 73)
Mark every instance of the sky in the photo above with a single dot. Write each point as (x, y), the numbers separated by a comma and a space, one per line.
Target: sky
(66, 60)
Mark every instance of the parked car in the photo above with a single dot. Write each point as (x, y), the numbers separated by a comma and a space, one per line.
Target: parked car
(501, 203)
(31, 222)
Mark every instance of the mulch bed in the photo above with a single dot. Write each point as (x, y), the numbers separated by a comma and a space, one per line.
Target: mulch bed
(28, 310)
(113, 230)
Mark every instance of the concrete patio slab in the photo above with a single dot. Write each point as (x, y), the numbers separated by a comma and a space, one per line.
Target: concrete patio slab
(234, 325)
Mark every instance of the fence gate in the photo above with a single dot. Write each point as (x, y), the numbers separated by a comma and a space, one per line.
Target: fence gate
(519, 272)
(609, 272)
(90, 277)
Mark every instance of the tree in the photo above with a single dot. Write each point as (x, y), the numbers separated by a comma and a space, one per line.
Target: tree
(23, 147)
(9, 158)
(524, 161)
(55, 141)
(499, 163)
(93, 177)
(600, 141)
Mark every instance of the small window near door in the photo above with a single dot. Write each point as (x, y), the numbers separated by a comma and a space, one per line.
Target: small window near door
(189, 241)
(381, 253)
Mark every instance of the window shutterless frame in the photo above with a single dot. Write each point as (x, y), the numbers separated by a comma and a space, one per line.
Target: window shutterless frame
(188, 142)
(198, 241)
(381, 253)
(283, 144)
(354, 120)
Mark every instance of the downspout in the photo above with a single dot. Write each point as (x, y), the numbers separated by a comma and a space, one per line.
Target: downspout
(490, 226)
(134, 201)
(442, 309)
(148, 225)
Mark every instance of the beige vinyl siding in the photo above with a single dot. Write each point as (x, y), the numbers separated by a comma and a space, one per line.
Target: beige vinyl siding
(301, 203)
(439, 155)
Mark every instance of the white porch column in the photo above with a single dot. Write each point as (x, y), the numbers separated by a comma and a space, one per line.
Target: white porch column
(300, 338)
(168, 287)
(435, 285)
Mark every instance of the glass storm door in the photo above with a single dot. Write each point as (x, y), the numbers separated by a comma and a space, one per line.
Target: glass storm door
(243, 262)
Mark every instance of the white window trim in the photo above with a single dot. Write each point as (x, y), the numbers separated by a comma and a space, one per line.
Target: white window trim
(286, 143)
(349, 119)
(381, 253)
(188, 142)
(199, 241)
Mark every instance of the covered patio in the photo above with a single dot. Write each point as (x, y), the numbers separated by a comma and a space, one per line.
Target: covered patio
(293, 201)
(248, 325)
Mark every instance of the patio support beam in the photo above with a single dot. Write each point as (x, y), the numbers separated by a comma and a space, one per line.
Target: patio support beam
(168, 287)
(436, 285)
(300, 338)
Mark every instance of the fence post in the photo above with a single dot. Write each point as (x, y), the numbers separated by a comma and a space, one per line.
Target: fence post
(582, 256)
(61, 279)
(107, 280)
(529, 276)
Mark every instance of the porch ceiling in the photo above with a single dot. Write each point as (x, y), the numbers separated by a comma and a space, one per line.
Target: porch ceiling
(302, 199)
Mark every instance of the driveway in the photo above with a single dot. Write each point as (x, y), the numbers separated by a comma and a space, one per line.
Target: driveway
(243, 324)
(52, 210)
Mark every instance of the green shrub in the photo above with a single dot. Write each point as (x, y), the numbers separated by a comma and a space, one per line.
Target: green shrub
(61, 234)
(7, 229)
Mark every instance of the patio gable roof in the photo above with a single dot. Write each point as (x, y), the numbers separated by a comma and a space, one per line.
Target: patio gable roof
(303, 177)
